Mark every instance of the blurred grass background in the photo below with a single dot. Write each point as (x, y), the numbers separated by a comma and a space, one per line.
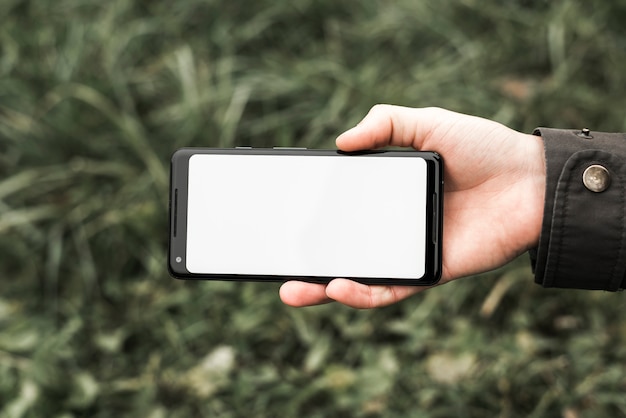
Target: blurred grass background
(94, 98)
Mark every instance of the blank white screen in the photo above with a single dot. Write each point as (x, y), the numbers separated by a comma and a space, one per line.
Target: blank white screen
(326, 216)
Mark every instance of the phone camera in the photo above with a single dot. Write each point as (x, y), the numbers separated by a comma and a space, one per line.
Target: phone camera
(179, 259)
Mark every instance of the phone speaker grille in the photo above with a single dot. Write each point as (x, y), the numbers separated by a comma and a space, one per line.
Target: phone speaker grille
(175, 209)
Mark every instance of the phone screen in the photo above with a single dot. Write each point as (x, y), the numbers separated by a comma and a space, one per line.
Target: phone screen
(306, 216)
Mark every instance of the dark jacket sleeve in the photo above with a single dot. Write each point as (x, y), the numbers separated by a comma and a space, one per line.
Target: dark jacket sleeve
(583, 237)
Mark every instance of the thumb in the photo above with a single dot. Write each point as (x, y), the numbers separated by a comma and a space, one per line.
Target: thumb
(386, 125)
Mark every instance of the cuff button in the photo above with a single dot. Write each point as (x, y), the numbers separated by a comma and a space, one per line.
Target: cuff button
(596, 178)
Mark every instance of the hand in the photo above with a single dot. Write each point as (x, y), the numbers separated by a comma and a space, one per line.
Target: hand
(493, 196)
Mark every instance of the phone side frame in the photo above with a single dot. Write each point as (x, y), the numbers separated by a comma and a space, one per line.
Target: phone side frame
(178, 215)
(177, 248)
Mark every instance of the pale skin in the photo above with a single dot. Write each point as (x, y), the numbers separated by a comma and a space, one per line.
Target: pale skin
(493, 196)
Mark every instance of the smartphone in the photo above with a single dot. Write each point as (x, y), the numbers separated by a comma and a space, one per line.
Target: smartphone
(313, 215)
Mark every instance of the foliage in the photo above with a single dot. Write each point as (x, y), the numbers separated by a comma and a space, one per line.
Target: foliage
(94, 98)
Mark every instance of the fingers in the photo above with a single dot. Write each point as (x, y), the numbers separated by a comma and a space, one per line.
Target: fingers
(388, 125)
(347, 292)
(361, 296)
(294, 293)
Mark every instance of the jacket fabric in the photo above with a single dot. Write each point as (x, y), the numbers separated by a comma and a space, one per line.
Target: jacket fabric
(583, 236)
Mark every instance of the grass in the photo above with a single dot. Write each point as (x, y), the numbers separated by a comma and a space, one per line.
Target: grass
(94, 98)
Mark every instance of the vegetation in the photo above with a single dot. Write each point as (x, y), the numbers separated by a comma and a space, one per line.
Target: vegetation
(96, 95)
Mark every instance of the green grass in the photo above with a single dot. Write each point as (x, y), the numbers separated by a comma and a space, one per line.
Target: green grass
(94, 98)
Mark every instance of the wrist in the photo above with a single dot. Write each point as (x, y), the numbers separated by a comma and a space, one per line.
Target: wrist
(537, 187)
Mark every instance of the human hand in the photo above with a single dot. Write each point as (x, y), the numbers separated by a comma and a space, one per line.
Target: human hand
(493, 196)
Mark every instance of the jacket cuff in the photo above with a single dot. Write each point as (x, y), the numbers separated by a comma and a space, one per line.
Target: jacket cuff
(583, 236)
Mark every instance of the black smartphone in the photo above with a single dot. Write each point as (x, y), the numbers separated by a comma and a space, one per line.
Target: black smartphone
(313, 215)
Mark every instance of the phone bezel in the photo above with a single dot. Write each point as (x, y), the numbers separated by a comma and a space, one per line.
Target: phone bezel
(178, 214)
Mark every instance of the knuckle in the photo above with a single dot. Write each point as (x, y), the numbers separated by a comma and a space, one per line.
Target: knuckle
(382, 108)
